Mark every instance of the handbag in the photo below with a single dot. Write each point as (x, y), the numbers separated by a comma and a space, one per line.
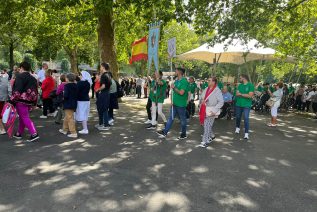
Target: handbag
(270, 102)
(211, 112)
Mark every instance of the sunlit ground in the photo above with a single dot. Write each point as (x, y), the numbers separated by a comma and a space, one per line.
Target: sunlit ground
(129, 169)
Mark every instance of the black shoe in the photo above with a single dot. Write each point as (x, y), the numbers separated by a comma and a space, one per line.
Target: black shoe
(19, 137)
(151, 127)
(33, 138)
(161, 134)
(182, 137)
(211, 139)
(57, 123)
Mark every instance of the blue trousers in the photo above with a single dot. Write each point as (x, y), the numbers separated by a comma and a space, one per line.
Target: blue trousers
(246, 112)
(181, 113)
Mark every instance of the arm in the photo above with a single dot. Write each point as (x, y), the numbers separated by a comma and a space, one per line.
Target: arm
(220, 101)
(66, 92)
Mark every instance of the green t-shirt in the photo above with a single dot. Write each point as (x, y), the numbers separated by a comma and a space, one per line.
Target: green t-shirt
(192, 87)
(220, 85)
(181, 100)
(260, 89)
(229, 88)
(204, 85)
(291, 90)
(158, 93)
(244, 89)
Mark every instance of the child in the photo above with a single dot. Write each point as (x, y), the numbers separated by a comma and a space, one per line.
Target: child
(70, 105)
(59, 99)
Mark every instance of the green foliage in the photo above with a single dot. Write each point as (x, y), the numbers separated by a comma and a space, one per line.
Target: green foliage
(60, 55)
(65, 66)
(3, 65)
(30, 58)
(17, 57)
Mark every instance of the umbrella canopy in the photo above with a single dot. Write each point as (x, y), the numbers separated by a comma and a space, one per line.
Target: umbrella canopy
(233, 51)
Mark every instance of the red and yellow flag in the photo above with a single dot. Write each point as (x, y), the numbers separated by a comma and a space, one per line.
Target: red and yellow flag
(139, 50)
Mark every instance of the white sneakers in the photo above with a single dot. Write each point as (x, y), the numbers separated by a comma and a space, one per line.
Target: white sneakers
(43, 117)
(2, 132)
(72, 135)
(62, 131)
(84, 132)
(148, 121)
(246, 135)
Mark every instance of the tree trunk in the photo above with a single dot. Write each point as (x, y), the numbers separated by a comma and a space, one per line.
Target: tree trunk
(11, 60)
(72, 53)
(106, 41)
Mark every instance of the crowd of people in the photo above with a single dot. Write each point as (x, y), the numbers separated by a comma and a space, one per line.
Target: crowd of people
(67, 99)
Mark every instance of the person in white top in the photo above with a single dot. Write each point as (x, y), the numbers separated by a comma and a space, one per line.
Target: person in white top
(277, 96)
(309, 94)
(41, 73)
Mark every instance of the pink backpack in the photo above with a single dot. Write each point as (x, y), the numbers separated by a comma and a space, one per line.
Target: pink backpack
(9, 114)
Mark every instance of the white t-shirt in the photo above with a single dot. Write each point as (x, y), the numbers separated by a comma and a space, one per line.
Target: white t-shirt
(41, 75)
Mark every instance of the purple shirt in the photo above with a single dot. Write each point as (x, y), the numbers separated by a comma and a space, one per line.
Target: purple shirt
(60, 88)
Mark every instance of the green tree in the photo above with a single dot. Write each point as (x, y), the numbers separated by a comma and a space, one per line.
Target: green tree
(18, 21)
(65, 65)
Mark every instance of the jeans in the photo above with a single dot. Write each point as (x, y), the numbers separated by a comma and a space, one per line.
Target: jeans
(110, 113)
(181, 112)
(103, 118)
(24, 119)
(246, 112)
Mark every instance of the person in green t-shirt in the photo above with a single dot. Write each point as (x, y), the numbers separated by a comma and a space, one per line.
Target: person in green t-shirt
(244, 94)
(220, 85)
(180, 90)
(157, 95)
(191, 94)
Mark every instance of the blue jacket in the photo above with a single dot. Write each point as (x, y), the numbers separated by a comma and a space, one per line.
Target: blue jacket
(70, 96)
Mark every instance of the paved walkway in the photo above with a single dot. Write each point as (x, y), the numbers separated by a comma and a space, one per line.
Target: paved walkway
(129, 169)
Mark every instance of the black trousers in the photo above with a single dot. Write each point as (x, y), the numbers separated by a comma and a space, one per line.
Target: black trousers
(139, 91)
(298, 103)
(307, 105)
(48, 105)
(190, 109)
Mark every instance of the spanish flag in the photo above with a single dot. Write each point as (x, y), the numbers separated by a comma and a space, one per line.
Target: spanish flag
(139, 50)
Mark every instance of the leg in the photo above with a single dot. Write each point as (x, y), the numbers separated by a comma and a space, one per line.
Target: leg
(238, 116)
(105, 118)
(160, 112)
(154, 109)
(308, 106)
(45, 106)
(207, 128)
(100, 114)
(246, 112)
(148, 109)
(85, 125)
(71, 122)
(182, 115)
(25, 120)
(170, 120)
(66, 120)
(50, 105)
(110, 113)
(20, 111)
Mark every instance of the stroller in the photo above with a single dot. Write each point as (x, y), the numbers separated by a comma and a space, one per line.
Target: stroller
(259, 102)
(226, 111)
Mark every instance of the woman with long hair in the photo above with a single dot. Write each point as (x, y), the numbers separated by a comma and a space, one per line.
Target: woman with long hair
(24, 96)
